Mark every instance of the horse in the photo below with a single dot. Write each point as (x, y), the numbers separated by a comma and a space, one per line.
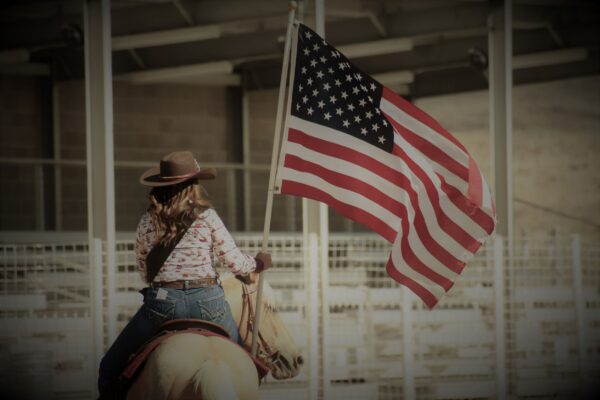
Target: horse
(191, 366)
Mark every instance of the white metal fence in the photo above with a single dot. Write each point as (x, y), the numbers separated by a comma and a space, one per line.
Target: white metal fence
(551, 320)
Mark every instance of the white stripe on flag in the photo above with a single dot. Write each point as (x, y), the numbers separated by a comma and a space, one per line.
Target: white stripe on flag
(486, 203)
(418, 127)
(450, 178)
(449, 208)
(404, 268)
(343, 195)
(394, 162)
(344, 167)
(354, 199)
(390, 189)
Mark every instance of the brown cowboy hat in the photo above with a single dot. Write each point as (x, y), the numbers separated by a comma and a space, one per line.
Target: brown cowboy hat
(176, 167)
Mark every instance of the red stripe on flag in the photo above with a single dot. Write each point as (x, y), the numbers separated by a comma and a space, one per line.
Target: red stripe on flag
(380, 198)
(465, 206)
(419, 115)
(392, 175)
(342, 152)
(398, 179)
(475, 184)
(395, 207)
(354, 213)
(433, 152)
(346, 182)
(361, 216)
(415, 263)
(463, 203)
(425, 295)
(376, 196)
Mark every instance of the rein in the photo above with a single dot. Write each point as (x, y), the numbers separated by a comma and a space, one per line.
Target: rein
(265, 352)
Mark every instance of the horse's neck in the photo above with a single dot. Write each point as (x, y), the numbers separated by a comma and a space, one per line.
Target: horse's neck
(233, 294)
(242, 307)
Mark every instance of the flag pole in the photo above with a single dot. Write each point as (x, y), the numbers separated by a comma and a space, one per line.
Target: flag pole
(276, 140)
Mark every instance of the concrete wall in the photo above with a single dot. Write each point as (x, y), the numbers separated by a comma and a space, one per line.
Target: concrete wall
(149, 121)
(22, 128)
(556, 147)
(556, 144)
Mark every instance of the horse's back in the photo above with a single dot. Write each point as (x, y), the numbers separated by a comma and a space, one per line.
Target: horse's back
(187, 364)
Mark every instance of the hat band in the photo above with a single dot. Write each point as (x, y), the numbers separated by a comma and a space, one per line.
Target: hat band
(176, 177)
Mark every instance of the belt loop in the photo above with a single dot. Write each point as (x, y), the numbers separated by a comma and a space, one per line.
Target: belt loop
(186, 285)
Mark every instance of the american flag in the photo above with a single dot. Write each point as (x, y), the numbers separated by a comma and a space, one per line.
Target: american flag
(379, 160)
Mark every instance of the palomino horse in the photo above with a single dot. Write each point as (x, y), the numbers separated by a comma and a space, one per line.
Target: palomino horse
(191, 366)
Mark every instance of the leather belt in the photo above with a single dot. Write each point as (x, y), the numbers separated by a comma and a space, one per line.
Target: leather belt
(189, 284)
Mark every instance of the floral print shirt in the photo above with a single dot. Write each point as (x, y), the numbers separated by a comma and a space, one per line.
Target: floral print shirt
(193, 257)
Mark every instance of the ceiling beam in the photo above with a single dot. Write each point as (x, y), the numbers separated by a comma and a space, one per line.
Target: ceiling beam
(221, 73)
(377, 47)
(353, 50)
(29, 69)
(545, 58)
(218, 73)
(395, 77)
(379, 25)
(195, 33)
(210, 80)
(14, 56)
(165, 37)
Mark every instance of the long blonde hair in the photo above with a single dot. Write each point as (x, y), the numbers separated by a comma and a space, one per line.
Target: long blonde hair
(171, 206)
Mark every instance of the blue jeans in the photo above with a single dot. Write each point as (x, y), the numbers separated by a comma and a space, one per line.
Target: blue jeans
(207, 303)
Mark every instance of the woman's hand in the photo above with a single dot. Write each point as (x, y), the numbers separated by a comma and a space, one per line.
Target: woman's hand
(249, 279)
(263, 261)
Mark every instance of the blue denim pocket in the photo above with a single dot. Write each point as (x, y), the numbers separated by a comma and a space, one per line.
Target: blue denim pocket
(158, 310)
(212, 305)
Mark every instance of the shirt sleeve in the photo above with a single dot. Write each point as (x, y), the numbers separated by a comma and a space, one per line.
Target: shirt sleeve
(224, 247)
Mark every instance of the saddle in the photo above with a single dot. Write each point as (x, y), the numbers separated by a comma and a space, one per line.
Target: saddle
(188, 323)
(168, 329)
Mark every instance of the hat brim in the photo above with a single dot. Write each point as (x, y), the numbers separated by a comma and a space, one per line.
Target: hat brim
(152, 177)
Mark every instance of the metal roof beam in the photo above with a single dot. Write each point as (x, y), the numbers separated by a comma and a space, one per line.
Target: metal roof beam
(194, 33)
(218, 73)
(221, 73)
(29, 69)
(377, 47)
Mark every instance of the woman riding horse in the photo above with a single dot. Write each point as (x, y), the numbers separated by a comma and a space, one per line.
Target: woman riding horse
(175, 242)
(192, 366)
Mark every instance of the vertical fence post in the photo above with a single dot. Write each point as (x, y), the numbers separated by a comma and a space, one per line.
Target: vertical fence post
(38, 181)
(99, 139)
(315, 225)
(501, 124)
(324, 299)
(96, 307)
(57, 157)
(500, 317)
(311, 260)
(246, 160)
(580, 311)
(230, 181)
(290, 213)
(408, 384)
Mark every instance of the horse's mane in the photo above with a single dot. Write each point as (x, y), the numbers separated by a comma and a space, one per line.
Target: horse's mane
(268, 296)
